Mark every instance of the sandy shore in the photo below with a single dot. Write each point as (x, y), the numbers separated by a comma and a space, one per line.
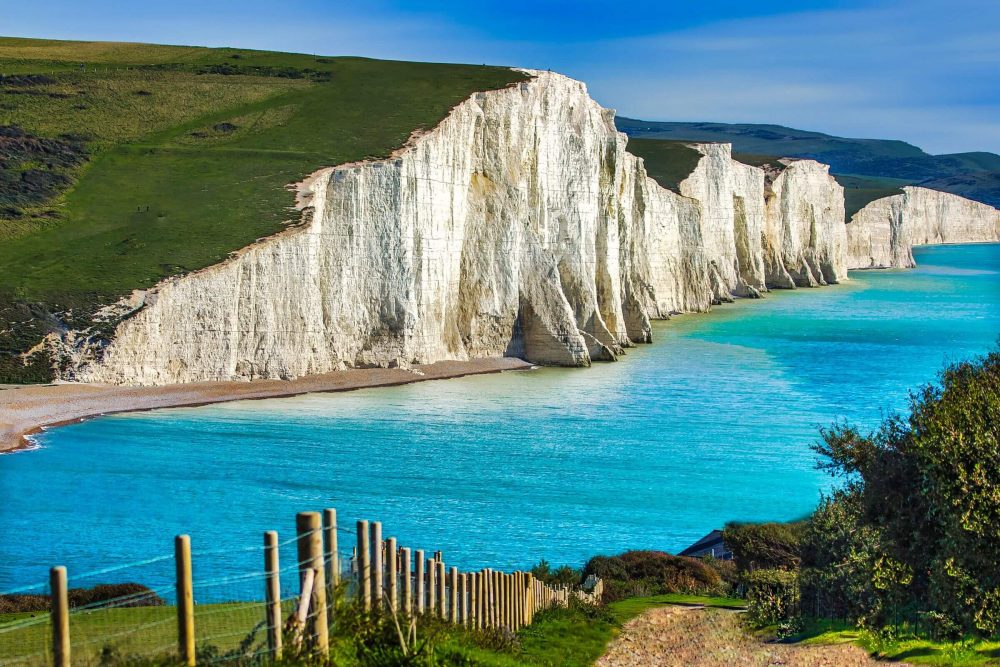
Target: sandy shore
(26, 409)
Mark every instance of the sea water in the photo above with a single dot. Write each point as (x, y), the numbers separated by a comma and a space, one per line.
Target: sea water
(711, 423)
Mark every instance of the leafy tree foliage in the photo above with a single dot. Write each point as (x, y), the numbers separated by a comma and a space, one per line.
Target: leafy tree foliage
(564, 574)
(764, 545)
(917, 524)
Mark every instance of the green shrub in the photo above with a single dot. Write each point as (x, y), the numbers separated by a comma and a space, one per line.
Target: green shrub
(765, 545)
(916, 528)
(642, 573)
(136, 595)
(772, 597)
(564, 574)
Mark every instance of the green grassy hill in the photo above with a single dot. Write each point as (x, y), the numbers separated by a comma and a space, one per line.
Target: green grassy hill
(867, 168)
(122, 164)
(667, 162)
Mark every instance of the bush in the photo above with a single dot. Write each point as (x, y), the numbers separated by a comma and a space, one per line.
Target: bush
(919, 515)
(564, 574)
(137, 594)
(726, 569)
(641, 573)
(772, 597)
(765, 545)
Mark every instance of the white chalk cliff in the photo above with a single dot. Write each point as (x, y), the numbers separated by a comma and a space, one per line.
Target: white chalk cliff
(520, 225)
(883, 233)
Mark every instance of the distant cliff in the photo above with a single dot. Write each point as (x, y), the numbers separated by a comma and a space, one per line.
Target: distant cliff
(520, 226)
(883, 233)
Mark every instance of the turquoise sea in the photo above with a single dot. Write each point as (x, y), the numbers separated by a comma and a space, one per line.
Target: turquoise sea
(713, 422)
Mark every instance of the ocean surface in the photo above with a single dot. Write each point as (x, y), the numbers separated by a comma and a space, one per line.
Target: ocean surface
(711, 423)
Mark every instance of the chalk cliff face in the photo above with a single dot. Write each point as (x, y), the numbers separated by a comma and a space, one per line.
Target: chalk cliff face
(518, 226)
(804, 237)
(883, 233)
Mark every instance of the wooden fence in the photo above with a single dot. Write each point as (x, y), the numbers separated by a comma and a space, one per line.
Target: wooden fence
(384, 577)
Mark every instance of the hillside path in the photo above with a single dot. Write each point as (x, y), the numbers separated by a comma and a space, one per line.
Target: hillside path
(702, 637)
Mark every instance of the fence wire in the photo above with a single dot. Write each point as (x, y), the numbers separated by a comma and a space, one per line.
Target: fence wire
(128, 614)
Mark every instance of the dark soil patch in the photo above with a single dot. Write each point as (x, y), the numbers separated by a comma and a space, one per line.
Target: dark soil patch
(34, 169)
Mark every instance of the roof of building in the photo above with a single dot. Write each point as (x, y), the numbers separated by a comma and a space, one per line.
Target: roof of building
(710, 545)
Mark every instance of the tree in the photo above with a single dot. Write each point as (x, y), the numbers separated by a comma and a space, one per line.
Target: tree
(922, 499)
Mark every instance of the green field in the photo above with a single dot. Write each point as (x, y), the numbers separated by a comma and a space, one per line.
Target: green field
(667, 162)
(859, 191)
(132, 632)
(187, 153)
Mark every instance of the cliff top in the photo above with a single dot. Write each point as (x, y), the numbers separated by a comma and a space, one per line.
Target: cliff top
(667, 162)
(127, 163)
(870, 167)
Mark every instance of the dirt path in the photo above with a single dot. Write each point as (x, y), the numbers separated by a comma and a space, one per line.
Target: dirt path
(701, 637)
(25, 409)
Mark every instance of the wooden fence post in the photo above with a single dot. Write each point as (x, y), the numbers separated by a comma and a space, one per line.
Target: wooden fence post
(364, 565)
(463, 599)
(407, 572)
(504, 594)
(392, 572)
(491, 581)
(518, 599)
(473, 599)
(453, 596)
(378, 564)
(332, 555)
(60, 616)
(185, 600)
(421, 583)
(431, 589)
(272, 589)
(442, 590)
(309, 527)
(511, 620)
(529, 602)
(514, 616)
(483, 605)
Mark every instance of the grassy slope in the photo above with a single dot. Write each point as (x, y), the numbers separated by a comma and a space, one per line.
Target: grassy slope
(973, 653)
(166, 193)
(132, 631)
(859, 191)
(771, 139)
(667, 162)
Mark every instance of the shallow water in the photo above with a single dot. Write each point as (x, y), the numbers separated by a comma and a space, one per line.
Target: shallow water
(711, 423)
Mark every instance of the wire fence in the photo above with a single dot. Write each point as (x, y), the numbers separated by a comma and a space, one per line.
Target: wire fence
(163, 611)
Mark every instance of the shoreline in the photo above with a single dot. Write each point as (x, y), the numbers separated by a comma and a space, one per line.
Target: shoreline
(26, 410)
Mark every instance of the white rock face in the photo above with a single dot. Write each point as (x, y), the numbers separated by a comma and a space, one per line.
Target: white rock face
(518, 226)
(883, 233)
(804, 237)
(732, 201)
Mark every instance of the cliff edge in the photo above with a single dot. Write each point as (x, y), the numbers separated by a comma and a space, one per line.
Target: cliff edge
(519, 226)
(882, 234)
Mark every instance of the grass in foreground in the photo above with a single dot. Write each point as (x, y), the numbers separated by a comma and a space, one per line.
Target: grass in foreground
(132, 631)
(917, 651)
(571, 637)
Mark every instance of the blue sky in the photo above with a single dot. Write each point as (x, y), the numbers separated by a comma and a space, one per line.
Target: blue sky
(926, 71)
